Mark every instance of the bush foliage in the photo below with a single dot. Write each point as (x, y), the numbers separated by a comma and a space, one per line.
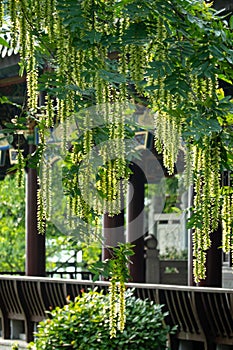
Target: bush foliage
(84, 324)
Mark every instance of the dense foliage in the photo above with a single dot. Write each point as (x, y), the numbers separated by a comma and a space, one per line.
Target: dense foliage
(83, 325)
(171, 57)
(12, 226)
(12, 238)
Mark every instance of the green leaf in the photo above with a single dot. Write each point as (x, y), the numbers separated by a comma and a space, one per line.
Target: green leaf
(93, 36)
(112, 77)
(224, 78)
(3, 42)
(231, 22)
(136, 34)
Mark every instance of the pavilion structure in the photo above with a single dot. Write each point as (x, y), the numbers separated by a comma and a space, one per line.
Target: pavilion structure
(13, 86)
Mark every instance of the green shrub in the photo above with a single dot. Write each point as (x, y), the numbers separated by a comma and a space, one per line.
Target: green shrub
(84, 324)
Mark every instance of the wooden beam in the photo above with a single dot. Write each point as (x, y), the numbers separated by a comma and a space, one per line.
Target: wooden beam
(12, 81)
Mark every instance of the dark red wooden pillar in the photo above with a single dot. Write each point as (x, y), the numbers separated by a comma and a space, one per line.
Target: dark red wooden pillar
(35, 243)
(214, 262)
(135, 224)
(113, 231)
(113, 228)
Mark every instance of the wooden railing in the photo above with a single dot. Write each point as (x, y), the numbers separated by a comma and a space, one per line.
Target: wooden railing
(170, 272)
(79, 275)
(203, 315)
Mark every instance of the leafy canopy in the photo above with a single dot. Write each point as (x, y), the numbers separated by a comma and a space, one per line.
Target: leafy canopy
(173, 57)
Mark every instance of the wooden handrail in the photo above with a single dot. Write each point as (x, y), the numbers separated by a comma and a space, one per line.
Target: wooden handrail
(202, 314)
